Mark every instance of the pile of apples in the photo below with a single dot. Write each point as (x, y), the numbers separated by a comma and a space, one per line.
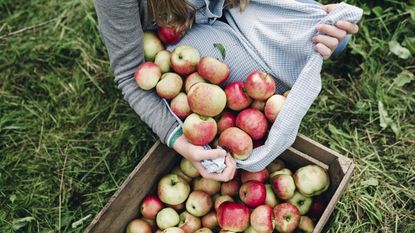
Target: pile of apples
(236, 117)
(272, 199)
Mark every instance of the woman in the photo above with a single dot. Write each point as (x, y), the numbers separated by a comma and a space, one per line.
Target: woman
(121, 23)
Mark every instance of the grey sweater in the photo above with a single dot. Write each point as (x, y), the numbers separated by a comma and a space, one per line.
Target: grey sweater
(121, 24)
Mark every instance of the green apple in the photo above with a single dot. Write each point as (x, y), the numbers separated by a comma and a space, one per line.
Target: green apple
(166, 218)
(152, 45)
(311, 180)
(302, 203)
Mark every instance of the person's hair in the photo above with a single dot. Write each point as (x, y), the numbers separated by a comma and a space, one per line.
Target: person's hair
(179, 13)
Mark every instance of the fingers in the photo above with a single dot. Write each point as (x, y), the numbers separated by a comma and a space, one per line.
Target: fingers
(202, 154)
(328, 41)
(350, 28)
(332, 31)
(327, 8)
(323, 50)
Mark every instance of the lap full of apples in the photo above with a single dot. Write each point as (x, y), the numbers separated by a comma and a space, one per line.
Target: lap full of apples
(236, 118)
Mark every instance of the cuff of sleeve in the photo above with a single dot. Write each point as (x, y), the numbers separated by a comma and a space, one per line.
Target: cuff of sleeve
(342, 46)
(177, 132)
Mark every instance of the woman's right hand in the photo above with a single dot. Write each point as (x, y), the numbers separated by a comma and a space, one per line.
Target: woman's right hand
(197, 153)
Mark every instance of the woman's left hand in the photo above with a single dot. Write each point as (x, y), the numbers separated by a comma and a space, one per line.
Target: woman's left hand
(326, 44)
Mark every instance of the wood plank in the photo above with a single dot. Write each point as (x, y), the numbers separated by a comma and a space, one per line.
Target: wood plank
(297, 158)
(314, 149)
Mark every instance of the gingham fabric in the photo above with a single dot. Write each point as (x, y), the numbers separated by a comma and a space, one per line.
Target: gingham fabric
(275, 37)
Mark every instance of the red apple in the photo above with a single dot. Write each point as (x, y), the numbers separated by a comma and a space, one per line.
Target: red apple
(311, 180)
(206, 99)
(180, 106)
(163, 60)
(284, 186)
(230, 188)
(260, 176)
(152, 45)
(199, 130)
(213, 70)
(258, 105)
(286, 217)
(262, 219)
(188, 169)
(150, 206)
(173, 190)
(273, 107)
(210, 220)
(306, 224)
(198, 203)
(220, 200)
(253, 122)
(170, 35)
(169, 86)
(276, 165)
(147, 75)
(189, 223)
(270, 199)
(233, 216)
(237, 142)
(260, 85)
(253, 193)
(138, 226)
(237, 97)
(206, 185)
(191, 80)
(184, 59)
(317, 207)
(227, 119)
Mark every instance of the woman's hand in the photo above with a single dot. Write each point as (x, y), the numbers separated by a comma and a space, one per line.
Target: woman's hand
(197, 153)
(326, 44)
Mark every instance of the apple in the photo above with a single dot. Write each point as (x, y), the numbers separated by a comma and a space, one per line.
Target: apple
(237, 142)
(220, 200)
(273, 107)
(284, 171)
(198, 203)
(206, 185)
(189, 223)
(163, 60)
(199, 130)
(191, 80)
(233, 216)
(258, 105)
(225, 231)
(206, 99)
(179, 172)
(284, 186)
(270, 198)
(177, 207)
(180, 106)
(237, 97)
(252, 122)
(253, 193)
(260, 142)
(306, 224)
(169, 85)
(230, 188)
(172, 189)
(276, 165)
(286, 217)
(302, 203)
(250, 229)
(166, 218)
(138, 226)
(260, 85)
(173, 230)
(210, 220)
(286, 93)
(317, 207)
(170, 35)
(227, 119)
(262, 219)
(152, 223)
(213, 70)
(152, 45)
(204, 230)
(150, 206)
(260, 176)
(147, 75)
(168, 229)
(311, 180)
(184, 59)
(188, 169)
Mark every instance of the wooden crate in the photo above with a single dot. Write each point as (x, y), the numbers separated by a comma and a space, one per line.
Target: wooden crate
(159, 160)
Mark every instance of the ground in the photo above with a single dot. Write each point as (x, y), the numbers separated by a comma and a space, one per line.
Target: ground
(68, 140)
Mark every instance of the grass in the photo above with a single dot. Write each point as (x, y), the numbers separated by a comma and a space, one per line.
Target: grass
(68, 140)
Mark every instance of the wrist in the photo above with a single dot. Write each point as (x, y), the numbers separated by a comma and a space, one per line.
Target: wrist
(175, 134)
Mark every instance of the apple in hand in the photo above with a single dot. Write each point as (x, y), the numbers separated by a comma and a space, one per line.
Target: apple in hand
(260, 85)
(171, 230)
(260, 176)
(184, 59)
(220, 200)
(311, 180)
(253, 122)
(237, 97)
(253, 193)
(233, 216)
(191, 80)
(188, 169)
(198, 203)
(273, 107)
(284, 186)
(147, 75)
(302, 203)
(163, 60)
(276, 165)
(152, 45)
(210, 220)
(206, 99)
(262, 219)
(180, 106)
(206, 185)
(199, 130)
(166, 218)
(237, 142)
(213, 70)
(270, 198)
(172, 189)
(286, 217)
(306, 224)
(138, 226)
(150, 206)
(230, 188)
(169, 86)
(189, 223)
(170, 35)
(227, 119)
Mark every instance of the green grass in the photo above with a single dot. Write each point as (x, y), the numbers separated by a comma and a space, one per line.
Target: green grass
(68, 140)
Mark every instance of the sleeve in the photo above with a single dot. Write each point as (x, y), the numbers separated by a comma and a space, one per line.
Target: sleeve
(207, 11)
(122, 34)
